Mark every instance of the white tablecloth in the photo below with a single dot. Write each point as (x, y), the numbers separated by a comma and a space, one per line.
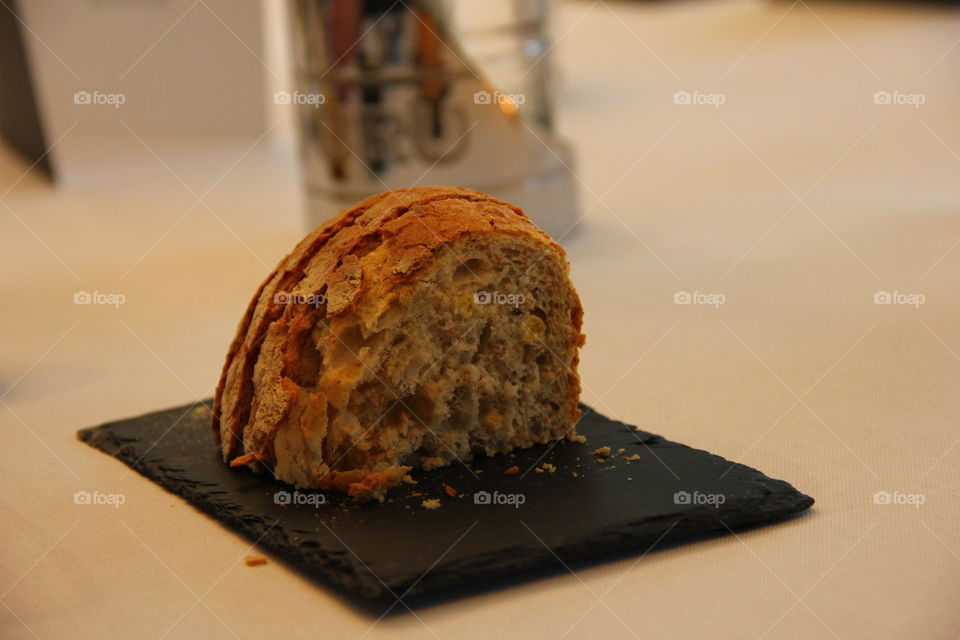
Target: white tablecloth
(797, 199)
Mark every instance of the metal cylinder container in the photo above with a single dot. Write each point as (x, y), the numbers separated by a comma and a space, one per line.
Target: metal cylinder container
(401, 93)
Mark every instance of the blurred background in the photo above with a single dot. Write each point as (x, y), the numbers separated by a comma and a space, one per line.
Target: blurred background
(759, 200)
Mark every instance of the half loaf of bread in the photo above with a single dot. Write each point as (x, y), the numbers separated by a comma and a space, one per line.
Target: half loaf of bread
(411, 331)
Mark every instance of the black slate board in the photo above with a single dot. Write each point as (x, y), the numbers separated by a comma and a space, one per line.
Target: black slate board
(381, 552)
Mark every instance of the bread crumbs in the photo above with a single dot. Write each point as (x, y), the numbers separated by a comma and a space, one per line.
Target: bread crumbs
(602, 451)
(632, 458)
(200, 411)
(432, 503)
(253, 561)
(546, 466)
(450, 491)
(582, 439)
(408, 479)
(512, 471)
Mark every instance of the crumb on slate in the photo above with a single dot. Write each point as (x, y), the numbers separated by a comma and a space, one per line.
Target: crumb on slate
(600, 460)
(578, 438)
(450, 491)
(253, 561)
(512, 470)
(602, 451)
(632, 458)
(546, 466)
(200, 411)
(408, 479)
(432, 503)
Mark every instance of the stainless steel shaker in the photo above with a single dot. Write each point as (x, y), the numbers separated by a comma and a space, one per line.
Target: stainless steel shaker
(400, 93)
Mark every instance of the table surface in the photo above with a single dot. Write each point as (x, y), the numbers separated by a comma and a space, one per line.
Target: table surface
(796, 200)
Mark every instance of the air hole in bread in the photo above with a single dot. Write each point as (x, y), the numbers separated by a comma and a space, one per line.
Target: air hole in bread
(474, 269)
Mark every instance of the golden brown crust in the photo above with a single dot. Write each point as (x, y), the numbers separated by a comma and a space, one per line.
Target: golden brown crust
(372, 252)
(245, 346)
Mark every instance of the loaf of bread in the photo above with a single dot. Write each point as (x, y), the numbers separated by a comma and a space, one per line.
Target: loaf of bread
(413, 330)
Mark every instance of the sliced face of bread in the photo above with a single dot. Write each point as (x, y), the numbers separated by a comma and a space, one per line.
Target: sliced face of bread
(416, 329)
